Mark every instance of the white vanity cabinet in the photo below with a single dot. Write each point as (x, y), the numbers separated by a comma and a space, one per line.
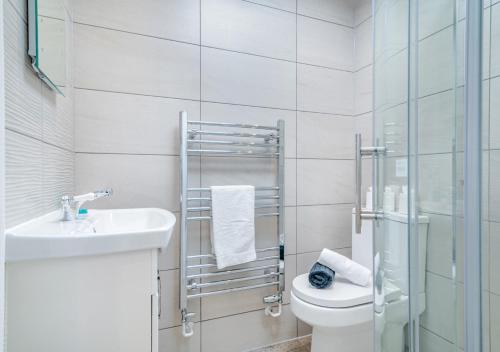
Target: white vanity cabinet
(90, 285)
(105, 303)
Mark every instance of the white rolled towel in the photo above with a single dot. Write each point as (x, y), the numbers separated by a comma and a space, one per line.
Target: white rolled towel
(345, 267)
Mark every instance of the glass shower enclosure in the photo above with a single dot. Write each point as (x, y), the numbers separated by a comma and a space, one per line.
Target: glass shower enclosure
(436, 202)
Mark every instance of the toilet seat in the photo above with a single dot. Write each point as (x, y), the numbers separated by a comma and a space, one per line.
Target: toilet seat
(341, 294)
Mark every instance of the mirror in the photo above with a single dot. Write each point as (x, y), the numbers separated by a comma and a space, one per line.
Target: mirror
(47, 41)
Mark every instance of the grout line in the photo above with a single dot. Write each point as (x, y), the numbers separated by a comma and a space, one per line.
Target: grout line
(213, 47)
(10, 129)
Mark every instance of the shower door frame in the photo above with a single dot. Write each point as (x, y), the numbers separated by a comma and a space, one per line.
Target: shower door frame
(473, 176)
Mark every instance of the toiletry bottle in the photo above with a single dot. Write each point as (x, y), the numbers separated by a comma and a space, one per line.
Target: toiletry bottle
(369, 199)
(389, 200)
(403, 200)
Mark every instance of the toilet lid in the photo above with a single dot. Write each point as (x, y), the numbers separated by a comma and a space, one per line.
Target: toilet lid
(341, 294)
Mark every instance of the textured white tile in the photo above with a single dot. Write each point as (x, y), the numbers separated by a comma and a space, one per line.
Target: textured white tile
(259, 330)
(325, 226)
(259, 116)
(363, 90)
(246, 301)
(324, 43)
(325, 136)
(288, 5)
(58, 176)
(58, 118)
(324, 90)
(363, 46)
(436, 60)
(23, 178)
(124, 62)
(313, 188)
(253, 28)
(137, 180)
(23, 89)
(109, 122)
(170, 313)
(171, 340)
(172, 19)
(338, 11)
(263, 82)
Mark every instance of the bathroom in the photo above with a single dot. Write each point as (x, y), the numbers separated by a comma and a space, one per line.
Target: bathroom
(364, 127)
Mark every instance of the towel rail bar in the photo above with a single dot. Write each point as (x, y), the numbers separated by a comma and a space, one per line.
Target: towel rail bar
(230, 124)
(264, 206)
(231, 290)
(210, 265)
(262, 250)
(203, 138)
(234, 143)
(209, 199)
(234, 271)
(197, 286)
(207, 189)
(202, 218)
(269, 136)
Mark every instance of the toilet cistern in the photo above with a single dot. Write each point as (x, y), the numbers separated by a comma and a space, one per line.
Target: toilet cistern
(71, 204)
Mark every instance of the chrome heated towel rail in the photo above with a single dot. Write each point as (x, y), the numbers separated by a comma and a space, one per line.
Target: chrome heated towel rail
(199, 276)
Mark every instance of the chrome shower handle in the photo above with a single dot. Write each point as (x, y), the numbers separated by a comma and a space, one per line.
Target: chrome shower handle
(359, 213)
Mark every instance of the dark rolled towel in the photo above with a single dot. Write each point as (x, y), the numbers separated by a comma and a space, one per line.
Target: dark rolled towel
(321, 276)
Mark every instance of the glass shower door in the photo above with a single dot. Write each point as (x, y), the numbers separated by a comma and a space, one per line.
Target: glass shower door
(423, 191)
(391, 176)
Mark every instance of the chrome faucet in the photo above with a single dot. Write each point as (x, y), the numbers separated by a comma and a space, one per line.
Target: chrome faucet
(71, 204)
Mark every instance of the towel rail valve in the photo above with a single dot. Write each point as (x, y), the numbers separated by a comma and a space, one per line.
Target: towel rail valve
(187, 324)
(271, 309)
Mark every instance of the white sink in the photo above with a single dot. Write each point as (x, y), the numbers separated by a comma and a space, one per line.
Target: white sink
(103, 231)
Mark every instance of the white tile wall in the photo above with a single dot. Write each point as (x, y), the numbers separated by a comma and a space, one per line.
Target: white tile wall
(253, 29)
(39, 128)
(236, 62)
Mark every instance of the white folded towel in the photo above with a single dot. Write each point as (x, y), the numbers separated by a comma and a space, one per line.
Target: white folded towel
(233, 225)
(345, 267)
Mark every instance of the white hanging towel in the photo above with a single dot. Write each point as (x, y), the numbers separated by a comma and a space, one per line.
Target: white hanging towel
(350, 270)
(233, 225)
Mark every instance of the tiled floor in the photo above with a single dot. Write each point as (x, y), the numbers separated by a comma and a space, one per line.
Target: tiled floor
(302, 344)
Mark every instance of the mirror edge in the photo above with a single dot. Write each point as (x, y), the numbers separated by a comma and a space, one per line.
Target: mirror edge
(33, 45)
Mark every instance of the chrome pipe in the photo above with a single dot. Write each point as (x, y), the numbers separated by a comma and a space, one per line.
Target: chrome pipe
(234, 134)
(196, 286)
(265, 206)
(203, 266)
(198, 256)
(207, 189)
(230, 290)
(231, 152)
(229, 272)
(229, 124)
(234, 143)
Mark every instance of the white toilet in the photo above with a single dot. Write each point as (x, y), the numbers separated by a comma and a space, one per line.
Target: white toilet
(342, 315)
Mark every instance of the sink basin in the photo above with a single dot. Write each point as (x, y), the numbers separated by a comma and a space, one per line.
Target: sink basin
(103, 231)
